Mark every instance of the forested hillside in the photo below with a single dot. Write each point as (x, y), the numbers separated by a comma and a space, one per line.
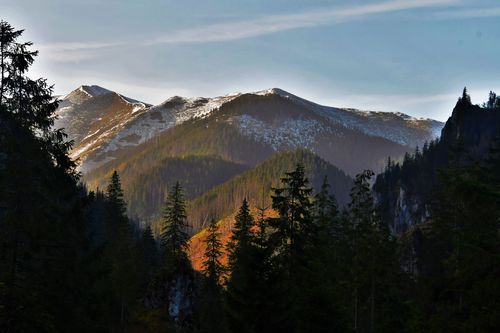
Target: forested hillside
(405, 190)
(256, 184)
(147, 184)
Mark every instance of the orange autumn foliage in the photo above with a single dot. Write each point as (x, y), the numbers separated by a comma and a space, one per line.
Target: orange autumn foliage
(196, 247)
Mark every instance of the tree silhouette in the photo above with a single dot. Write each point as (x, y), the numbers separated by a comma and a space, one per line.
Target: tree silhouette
(174, 237)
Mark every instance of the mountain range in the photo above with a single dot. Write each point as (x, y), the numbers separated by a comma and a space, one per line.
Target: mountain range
(206, 142)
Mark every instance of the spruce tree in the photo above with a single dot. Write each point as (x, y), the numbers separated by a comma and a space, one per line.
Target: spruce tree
(174, 237)
(492, 98)
(320, 303)
(123, 255)
(325, 206)
(44, 233)
(361, 215)
(114, 195)
(374, 267)
(212, 316)
(242, 285)
(291, 239)
(294, 206)
(212, 267)
(465, 99)
(30, 101)
(241, 237)
(149, 251)
(8, 37)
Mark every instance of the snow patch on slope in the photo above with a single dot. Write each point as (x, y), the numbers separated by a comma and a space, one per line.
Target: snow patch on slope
(291, 133)
(156, 119)
(393, 126)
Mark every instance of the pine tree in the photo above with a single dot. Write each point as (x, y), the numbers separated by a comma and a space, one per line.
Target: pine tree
(8, 37)
(320, 310)
(212, 316)
(465, 99)
(242, 285)
(174, 237)
(294, 206)
(361, 215)
(149, 250)
(30, 102)
(374, 266)
(42, 227)
(325, 206)
(291, 239)
(122, 254)
(241, 237)
(492, 97)
(68, 259)
(115, 195)
(212, 267)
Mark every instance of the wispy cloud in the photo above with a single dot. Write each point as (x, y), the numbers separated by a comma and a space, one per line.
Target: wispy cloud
(468, 13)
(229, 31)
(235, 30)
(73, 51)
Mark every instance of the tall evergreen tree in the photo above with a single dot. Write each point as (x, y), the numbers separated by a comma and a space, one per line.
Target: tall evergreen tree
(242, 283)
(30, 102)
(43, 231)
(291, 239)
(212, 316)
(123, 255)
(465, 99)
(321, 310)
(492, 98)
(149, 250)
(8, 37)
(325, 206)
(115, 194)
(294, 206)
(212, 266)
(174, 237)
(241, 237)
(374, 266)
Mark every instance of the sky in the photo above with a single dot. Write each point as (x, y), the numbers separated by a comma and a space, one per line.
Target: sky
(411, 56)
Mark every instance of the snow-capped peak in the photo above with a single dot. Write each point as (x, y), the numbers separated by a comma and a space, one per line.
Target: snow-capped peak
(94, 90)
(275, 91)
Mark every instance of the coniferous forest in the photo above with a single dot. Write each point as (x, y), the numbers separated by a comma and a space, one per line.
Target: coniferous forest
(71, 260)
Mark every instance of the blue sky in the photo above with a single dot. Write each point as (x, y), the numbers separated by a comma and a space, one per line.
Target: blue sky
(412, 56)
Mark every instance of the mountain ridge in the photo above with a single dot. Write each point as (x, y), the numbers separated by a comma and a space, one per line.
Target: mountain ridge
(139, 121)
